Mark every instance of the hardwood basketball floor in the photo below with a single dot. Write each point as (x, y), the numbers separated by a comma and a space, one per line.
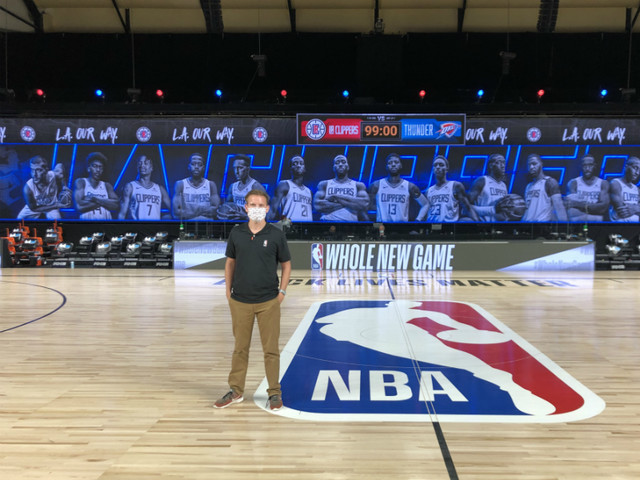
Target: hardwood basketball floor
(111, 374)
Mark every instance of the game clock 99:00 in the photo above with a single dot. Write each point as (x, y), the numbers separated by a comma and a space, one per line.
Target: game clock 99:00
(380, 131)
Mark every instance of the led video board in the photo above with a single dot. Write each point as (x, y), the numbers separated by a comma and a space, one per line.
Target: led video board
(322, 168)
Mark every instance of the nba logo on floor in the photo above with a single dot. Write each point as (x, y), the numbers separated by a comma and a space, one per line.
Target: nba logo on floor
(422, 361)
(317, 256)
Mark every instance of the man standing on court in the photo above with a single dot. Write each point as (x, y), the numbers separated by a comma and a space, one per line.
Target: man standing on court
(254, 250)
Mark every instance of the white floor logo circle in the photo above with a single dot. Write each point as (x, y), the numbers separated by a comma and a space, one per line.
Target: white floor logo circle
(260, 134)
(143, 134)
(28, 134)
(534, 134)
(315, 129)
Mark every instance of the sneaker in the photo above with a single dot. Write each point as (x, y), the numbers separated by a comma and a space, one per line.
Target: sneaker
(227, 399)
(275, 402)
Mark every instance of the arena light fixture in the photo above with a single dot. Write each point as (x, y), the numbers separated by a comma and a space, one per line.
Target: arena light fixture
(134, 94)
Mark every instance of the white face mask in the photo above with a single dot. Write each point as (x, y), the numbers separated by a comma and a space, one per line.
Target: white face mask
(257, 214)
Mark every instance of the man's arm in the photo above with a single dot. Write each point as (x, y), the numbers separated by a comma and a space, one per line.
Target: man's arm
(166, 202)
(113, 201)
(373, 191)
(82, 204)
(281, 190)
(419, 197)
(320, 202)
(553, 190)
(601, 207)
(284, 280)
(229, 269)
(126, 200)
(474, 193)
(215, 199)
(458, 191)
(357, 203)
(176, 202)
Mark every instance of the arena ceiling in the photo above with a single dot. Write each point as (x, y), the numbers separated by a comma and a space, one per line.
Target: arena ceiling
(317, 16)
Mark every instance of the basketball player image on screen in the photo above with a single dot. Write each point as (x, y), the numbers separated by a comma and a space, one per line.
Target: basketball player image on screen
(341, 199)
(44, 193)
(542, 194)
(444, 198)
(143, 199)
(624, 193)
(195, 197)
(487, 190)
(292, 199)
(587, 198)
(233, 206)
(95, 198)
(391, 196)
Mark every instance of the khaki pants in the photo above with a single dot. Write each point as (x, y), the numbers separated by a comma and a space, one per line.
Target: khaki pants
(242, 319)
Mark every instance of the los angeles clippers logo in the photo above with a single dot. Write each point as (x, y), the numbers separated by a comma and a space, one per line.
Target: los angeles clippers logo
(448, 129)
(27, 133)
(317, 256)
(315, 129)
(410, 360)
(143, 134)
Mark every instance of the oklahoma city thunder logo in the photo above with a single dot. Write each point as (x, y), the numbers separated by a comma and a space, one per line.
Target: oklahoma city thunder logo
(413, 360)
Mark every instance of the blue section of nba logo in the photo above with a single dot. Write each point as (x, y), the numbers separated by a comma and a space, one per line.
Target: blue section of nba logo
(337, 376)
(317, 256)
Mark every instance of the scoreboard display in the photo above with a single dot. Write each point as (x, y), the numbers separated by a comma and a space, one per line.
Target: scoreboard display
(381, 129)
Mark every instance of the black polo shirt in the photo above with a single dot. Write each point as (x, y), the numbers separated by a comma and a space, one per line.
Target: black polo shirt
(255, 278)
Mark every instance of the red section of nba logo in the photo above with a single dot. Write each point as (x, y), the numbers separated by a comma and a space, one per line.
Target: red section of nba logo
(507, 356)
